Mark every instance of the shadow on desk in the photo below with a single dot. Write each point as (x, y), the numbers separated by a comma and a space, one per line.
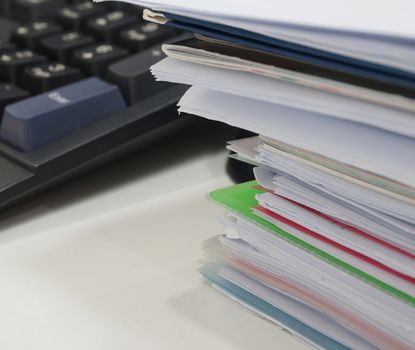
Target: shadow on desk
(170, 146)
(228, 320)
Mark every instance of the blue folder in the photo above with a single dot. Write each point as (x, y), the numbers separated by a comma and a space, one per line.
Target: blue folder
(345, 64)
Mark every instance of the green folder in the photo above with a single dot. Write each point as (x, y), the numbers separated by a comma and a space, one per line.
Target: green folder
(240, 199)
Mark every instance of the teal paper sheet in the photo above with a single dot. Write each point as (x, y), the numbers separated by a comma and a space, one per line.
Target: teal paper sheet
(266, 308)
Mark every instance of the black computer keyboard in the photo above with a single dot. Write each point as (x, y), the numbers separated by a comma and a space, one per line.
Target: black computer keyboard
(75, 89)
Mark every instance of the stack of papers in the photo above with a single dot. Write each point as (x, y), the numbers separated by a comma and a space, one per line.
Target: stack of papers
(367, 303)
(322, 243)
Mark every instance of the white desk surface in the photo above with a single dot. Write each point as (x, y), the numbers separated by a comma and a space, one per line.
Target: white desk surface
(109, 261)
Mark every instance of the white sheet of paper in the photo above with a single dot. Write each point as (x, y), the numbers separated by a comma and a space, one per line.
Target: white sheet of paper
(284, 93)
(250, 85)
(213, 59)
(371, 149)
(385, 17)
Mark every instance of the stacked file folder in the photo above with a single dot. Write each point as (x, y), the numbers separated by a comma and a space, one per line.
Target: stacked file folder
(323, 242)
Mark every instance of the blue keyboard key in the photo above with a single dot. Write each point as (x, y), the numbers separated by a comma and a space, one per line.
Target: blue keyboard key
(34, 122)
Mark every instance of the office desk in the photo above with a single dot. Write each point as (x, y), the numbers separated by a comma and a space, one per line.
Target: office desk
(109, 261)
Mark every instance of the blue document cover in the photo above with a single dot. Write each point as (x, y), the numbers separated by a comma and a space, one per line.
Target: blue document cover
(294, 51)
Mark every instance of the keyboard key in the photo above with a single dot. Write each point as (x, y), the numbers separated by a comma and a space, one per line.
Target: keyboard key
(36, 10)
(39, 120)
(6, 47)
(10, 94)
(122, 6)
(143, 36)
(61, 47)
(12, 64)
(95, 60)
(29, 35)
(106, 27)
(133, 75)
(6, 7)
(48, 76)
(7, 27)
(75, 16)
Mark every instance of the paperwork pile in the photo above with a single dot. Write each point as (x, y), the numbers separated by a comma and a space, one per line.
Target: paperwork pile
(323, 242)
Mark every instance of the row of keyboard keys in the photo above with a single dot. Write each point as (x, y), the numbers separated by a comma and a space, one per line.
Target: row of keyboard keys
(12, 64)
(48, 38)
(34, 73)
(131, 74)
(71, 13)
